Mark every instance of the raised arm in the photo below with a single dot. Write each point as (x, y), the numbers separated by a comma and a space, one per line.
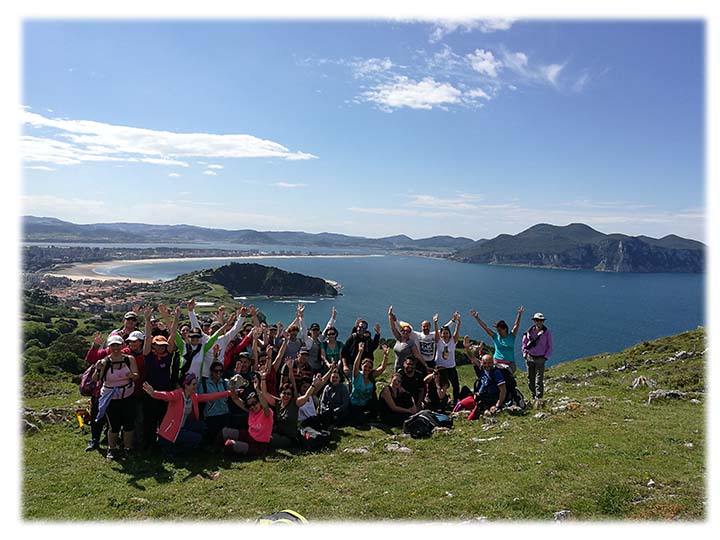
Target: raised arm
(392, 321)
(481, 323)
(358, 359)
(147, 343)
(330, 323)
(381, 368)
(516, 326)
(172, 344)
(456, 334)
(435, 326)
(194, 323)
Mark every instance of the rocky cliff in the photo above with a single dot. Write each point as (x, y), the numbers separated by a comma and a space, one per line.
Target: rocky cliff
(578, 246)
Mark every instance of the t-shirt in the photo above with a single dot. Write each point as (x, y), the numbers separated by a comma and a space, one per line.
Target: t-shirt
(157, 371)
(402, 351)
(187, 409)
(361, 392)
(260, 426)
(426, 345)
(412, 383)
(333, 355)
(445, 353)
(286, 419)
(504, 347)
(489, 384)
(334, 397)
(307, 410)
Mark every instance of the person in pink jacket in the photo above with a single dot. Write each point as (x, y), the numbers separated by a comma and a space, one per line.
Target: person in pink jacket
(181, 430)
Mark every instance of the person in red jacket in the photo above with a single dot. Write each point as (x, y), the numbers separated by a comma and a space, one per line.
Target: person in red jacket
(181, 429)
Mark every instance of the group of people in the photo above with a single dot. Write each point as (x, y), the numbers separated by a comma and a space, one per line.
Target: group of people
(232, 382)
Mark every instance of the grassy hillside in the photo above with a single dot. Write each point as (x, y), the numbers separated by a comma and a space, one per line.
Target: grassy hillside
(596, 448)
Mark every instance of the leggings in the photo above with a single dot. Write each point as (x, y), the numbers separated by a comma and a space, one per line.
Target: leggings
(452, 376)
(121, 414)
(96, 427)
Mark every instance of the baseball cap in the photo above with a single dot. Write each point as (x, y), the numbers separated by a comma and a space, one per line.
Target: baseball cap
(136, 335)
(539, 316)
(115, 339)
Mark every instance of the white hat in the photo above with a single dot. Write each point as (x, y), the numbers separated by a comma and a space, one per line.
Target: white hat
(538, 315)
(115, 339)
(136, 335)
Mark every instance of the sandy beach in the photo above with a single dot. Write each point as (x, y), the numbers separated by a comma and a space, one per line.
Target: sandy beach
(89, 270)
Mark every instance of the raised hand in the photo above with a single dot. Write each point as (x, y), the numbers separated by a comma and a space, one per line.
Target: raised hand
(177, 311)
(385, 349)
(136, 308)
(257, 332)
(149, 389)
(377, 328)
(147, 311)
(473, 313)
(361, 346)
(162, 308)
(436, 317)
(97, 339)
(191, 304)
(466, 343)
(242, 311)
(333, 313)
(521, 310)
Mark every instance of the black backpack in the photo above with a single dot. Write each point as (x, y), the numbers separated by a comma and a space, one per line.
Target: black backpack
(314, 439)
(421, 424)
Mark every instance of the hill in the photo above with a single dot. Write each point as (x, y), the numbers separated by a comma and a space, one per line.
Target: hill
(619, 437)
(47, 229)
(248, 279)
(578, 246)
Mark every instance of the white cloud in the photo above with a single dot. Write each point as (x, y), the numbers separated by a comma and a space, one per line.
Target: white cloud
(40, 168)
(448, 26)
(579, 84)
(477, 93)
(404, 92)
(288, 185)
(210, 173)
(173, 175)
(215, 167)
(370, 66)
(77, 141)
(551, 72)
(484, 62)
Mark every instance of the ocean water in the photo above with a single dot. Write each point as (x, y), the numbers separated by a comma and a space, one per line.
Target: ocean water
(588, 312)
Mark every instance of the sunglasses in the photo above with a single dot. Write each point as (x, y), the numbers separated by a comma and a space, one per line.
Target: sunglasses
(253, 403)
(217, 370)
(286, 393)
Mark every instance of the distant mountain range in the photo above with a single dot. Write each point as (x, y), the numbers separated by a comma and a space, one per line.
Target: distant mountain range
(574, 246)
(577, 246)
(47, 229)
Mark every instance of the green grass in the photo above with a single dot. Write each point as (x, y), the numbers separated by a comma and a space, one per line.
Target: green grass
(595, 461)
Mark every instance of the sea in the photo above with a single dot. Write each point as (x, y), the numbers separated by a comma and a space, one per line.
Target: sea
(589, 313)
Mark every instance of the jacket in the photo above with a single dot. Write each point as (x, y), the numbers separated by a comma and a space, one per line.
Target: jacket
(170, 425)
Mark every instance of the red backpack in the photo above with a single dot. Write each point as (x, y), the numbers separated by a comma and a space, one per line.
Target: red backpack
(87, 385)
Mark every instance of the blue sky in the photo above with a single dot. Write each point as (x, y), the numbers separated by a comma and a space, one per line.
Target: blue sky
(367, 127)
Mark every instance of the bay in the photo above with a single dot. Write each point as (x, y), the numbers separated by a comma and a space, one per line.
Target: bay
(588, 312)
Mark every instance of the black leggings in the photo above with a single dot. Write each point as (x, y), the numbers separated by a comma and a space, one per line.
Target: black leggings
(452, 376)
(96, 427)
(121, 414)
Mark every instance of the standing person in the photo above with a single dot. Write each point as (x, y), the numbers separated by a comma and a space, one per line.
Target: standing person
(404, 345)
(333, 352)
(445, 352)
(159, 358)
(314, 341)
(503, 339)
(130, 321)
(537, 346)
(222, 340)
(361, 334)
(118, 373)
(425, 341)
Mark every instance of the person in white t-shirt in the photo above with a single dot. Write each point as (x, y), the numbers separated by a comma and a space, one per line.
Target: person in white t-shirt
(445, 351)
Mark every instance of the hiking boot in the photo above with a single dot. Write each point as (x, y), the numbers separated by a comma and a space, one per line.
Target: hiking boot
(94, 445)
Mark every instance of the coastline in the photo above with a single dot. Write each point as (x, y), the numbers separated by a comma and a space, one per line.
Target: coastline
(81, 271)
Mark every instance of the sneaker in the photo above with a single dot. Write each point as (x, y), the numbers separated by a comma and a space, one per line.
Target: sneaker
(113, 453)
(94, 445)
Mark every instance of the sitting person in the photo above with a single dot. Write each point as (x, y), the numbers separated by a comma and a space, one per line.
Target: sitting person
(436, 390)
(491, 392)
(256, 439)
(308, 412)
(285, 425)
(363, 403)
(396, 405)
(216, 413)
(334, 402)
(412, 380)
(181, 429)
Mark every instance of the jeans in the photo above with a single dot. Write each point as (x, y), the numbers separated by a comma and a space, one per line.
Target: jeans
(189, 438)
(536, 374)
